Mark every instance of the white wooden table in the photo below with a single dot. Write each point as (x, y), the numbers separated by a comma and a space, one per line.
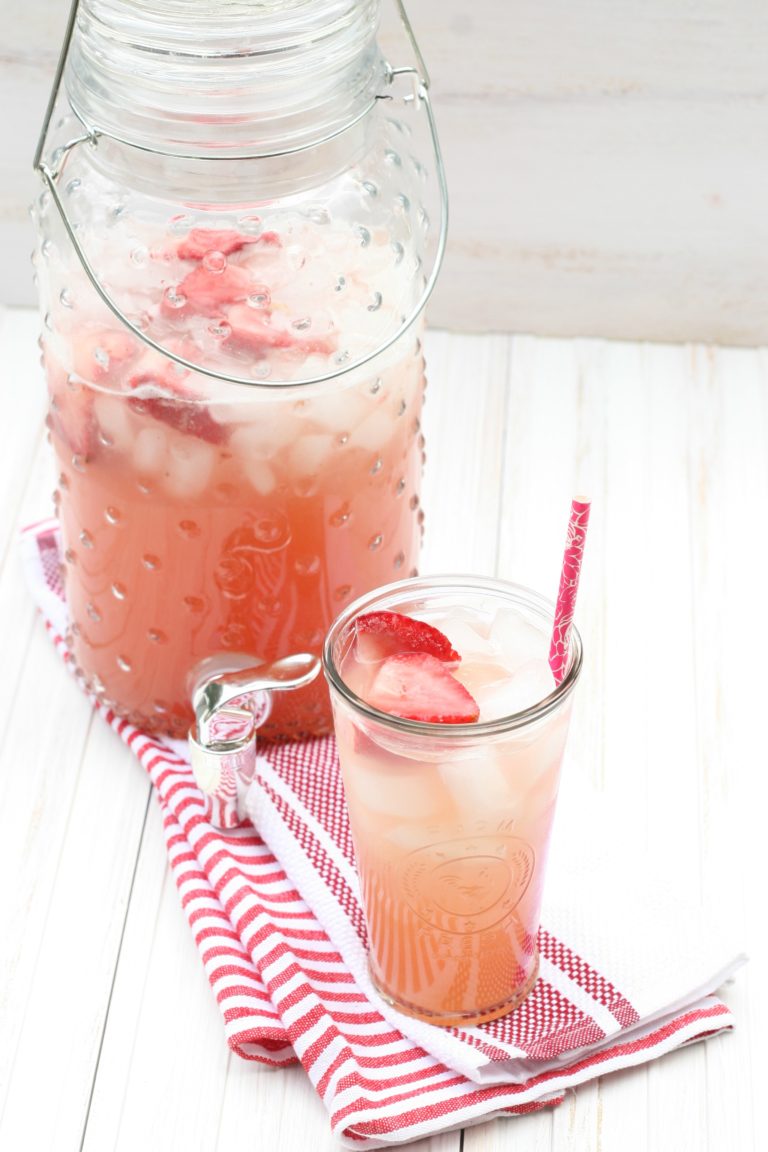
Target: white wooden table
(109, 1034)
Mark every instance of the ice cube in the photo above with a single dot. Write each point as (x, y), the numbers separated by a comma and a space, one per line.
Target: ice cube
(260, 475)
(340, 411)
(368, 317)
(268, 430)
(477, 785)
(226, 412)
(408, 836)
(374, 431)
(516, 639)
(468, 639)
(115, 421)
(545, 742)
(189, 465)
(150, 450)
(539, 799)
(314, 365)
(309, 453)
(404, 790)
(521, 689)
(478, 616)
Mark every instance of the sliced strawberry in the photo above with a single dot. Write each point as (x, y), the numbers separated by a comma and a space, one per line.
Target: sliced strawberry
(206, 292)
(271, 239)
(156, 375)
(253, 331)
(417, 686)
(184, 415)
(382, 634)
(225, 240)
(183, 409)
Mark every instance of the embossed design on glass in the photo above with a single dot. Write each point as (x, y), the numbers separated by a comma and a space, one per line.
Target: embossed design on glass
(200, 515)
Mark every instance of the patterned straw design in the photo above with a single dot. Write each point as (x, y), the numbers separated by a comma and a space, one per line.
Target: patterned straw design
(560, 644)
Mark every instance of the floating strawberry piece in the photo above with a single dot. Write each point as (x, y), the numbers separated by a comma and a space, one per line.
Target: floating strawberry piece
(155, 372)
(252, 330)
(417, 686)
(184, 409)
(225, 240)
(206, 292)
(185, 416)
(382, 634)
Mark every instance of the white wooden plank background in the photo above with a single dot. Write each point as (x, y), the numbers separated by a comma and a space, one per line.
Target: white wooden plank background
(109, 1035)
(608, 161)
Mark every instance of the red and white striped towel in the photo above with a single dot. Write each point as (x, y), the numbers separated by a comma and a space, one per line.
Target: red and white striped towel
(277, 919)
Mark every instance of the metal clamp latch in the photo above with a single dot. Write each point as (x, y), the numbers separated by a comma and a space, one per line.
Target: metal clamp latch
(231, 698)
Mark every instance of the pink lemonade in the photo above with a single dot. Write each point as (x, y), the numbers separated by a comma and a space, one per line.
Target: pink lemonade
(201, 517)
(452, 793)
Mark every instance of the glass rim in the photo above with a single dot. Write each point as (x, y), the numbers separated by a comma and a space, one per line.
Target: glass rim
(467, 731)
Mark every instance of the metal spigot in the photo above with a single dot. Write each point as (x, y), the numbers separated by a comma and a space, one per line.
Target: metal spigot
(231, 697)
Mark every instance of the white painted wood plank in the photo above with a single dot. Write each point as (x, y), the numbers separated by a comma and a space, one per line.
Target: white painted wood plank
(40, 763)
(622, 1112)
(16, 608)
(646, 689)
(24, 401)
(607, 163)
(24, 85)
(464, 423)
(576, 1123)
(281, 1105)
(69, 820)
(63, 974)
(283, 1108)
(600, 48)
(533, 1133)
(606, 218)
(33, 30)
(729, 470)
(164, 1058)
(43, 727)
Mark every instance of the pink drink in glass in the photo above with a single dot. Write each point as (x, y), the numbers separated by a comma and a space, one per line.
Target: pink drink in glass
(451, 820)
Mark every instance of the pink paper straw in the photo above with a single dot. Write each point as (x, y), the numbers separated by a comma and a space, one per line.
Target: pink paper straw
(560, 644)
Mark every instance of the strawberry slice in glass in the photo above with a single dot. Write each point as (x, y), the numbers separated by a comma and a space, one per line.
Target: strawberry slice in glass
(417, 686)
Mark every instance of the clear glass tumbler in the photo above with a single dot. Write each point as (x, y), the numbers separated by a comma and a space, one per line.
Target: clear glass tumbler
(451, 822)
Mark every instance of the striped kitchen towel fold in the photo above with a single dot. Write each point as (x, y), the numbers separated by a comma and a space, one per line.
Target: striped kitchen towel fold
(625, 974)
